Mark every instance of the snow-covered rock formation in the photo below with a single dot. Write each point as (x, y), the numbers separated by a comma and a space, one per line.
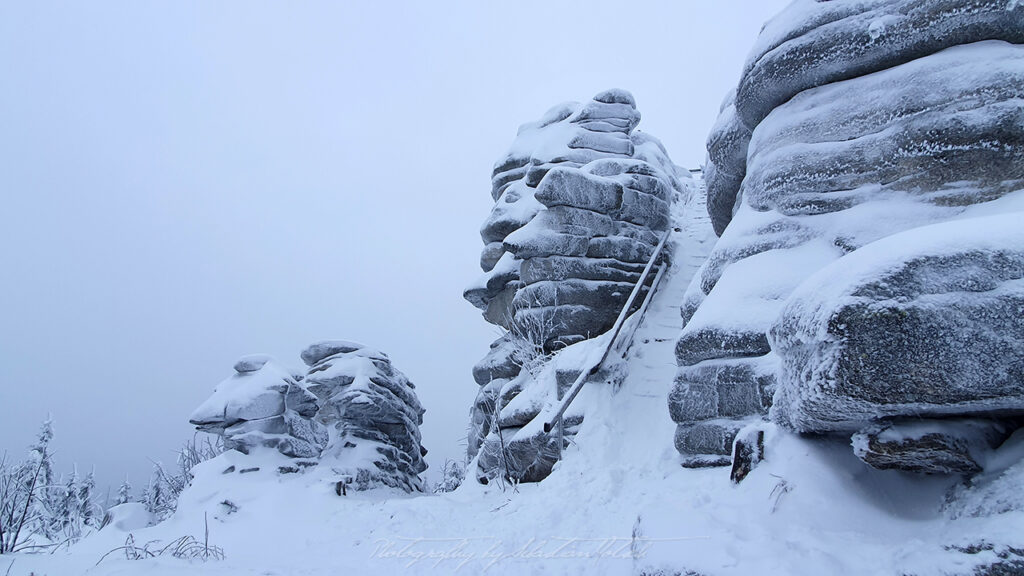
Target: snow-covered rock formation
(581, 201)
(854, 121)
(372, 414)
(263, 405)
(812, 44)
(352, 413)
(927, 322)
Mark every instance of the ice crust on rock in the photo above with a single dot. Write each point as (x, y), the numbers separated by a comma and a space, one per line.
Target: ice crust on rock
(926, 322)
(581, 201)
(816, 44)
(263, 405)
(579, 196)
(946, 129)
(853, 121)
(372, 414)
(352, 413)
(813, 43)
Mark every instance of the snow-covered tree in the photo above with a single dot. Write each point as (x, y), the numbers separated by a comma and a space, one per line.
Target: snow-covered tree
(157, 497)
(38, 510)
(124, 492)
(87, 507)
(41, 487)
(165, 485)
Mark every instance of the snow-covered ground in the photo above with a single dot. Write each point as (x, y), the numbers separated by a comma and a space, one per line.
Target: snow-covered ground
(618, 503)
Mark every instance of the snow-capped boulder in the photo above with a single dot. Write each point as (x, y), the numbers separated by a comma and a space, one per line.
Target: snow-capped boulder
(372, 414)
(865, 119)
(263, 405)
(128, 517)
(582, 200)
(813, 44)
(946, 130)
(927, 322)
(251, 363)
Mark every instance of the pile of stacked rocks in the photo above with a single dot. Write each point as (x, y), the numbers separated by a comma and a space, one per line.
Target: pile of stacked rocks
(852, 122)
(263, 405)
(352, 413)
(582, 200)
(372, 413)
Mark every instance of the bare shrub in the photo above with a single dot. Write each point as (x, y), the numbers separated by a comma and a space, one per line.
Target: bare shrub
(185, 548)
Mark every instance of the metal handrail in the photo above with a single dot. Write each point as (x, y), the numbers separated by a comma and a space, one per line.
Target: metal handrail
(577, 385)
(643, 307)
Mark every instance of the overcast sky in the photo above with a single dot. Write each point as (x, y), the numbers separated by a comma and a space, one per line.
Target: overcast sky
(187, 182)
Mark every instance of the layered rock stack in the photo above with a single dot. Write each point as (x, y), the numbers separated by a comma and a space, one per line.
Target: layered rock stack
(581, 202)
(372, 413)
(353, 414)
(853, 122)
(263, 405)
(923, 330)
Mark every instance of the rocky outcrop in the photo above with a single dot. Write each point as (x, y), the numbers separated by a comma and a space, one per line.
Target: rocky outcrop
(582, 200)
(853, 121)
(372, 413)
(500, 366)
(926, 323)
(835, 41)
(813, 44)
(726, 163)
(263, 405)
(352, 413)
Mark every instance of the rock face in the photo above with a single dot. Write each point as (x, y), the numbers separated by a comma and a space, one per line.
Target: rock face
(926, 322)
(581, 201)
(813, 44)
(263, 405)
(372, 414)
(852, 121)
(726, 163)
(353, 411)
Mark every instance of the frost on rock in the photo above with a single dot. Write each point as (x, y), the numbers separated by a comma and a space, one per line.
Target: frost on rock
(372, 414)
(581, 201)
(726, 163)
(926, 322)
(263, 405)
(812, 44)
(853, 121)
(353, 413)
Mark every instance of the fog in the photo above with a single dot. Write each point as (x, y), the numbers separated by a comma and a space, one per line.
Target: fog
(183, 183)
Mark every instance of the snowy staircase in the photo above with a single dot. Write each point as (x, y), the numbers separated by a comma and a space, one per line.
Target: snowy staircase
(632, 421)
